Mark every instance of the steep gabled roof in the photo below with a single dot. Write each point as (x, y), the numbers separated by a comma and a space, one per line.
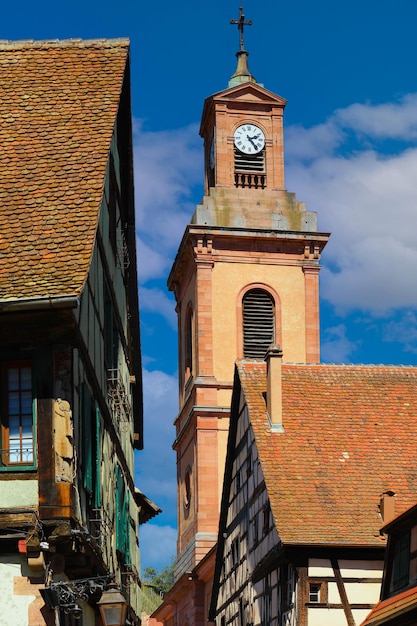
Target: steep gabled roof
(350, 435)
(58, 106)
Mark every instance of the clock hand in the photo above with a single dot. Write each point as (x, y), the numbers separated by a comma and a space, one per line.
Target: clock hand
(252, 142)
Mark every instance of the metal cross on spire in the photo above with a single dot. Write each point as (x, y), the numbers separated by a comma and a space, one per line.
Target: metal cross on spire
(241, 23)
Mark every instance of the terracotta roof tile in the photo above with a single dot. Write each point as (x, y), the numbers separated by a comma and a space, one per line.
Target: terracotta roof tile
(395, 607)
(349, 436)
(58, 106)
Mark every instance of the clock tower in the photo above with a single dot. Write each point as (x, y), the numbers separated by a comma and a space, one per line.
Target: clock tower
(245, 276)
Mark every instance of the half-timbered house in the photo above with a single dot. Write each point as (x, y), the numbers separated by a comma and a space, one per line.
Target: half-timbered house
(71, 396)
(319, 457)
(398, 602)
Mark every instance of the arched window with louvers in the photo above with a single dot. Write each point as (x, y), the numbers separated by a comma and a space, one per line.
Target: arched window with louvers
(258, 323)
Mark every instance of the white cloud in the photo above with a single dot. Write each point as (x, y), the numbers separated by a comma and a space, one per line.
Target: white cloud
(403, 331)
(369, 202)
(160, 410)
(394, 120)
(158, 546)
(168, 168)
(152, 262)
(309, 143)
(155, 300)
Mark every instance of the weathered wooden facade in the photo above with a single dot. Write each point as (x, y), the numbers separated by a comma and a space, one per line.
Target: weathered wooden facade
(71, 400)
(398, 601)
(311, 474)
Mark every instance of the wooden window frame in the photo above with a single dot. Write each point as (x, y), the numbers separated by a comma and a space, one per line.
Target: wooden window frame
(322, 592)
(5, 464)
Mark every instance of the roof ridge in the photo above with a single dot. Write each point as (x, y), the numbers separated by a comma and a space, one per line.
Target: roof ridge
(384, 366)
(8, 44)
(352, 365)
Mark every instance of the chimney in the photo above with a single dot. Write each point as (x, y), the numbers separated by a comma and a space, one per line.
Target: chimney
(274, 386)
(387, 506)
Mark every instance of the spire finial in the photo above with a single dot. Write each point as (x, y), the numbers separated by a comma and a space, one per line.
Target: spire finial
(241, 23)
(242, 74)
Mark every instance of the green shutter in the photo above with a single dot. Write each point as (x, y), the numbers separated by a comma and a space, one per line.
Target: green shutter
(87, 453)
(97, 477)
(122, 517)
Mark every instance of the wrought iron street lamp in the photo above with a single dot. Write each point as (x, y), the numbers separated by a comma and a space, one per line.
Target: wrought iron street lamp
(66, 594)
(113, 606)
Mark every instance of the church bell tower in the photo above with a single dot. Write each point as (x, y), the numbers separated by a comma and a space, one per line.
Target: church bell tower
(245, 276)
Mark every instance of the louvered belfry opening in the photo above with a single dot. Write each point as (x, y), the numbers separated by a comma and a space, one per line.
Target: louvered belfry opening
(250, 170)
(258, 323)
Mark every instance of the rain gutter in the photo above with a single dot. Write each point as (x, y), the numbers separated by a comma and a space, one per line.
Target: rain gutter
(36, 304)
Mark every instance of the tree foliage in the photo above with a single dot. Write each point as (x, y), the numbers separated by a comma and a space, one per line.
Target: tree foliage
(161, 581)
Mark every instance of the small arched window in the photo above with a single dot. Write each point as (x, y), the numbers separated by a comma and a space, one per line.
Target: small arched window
(188, 343)
(258, 323)
(187, 488)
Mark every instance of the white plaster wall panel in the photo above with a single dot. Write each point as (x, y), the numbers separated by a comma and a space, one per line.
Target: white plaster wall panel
(363, 593)
(326, 617)
(23, 494)
(14, 608)
(320, 568)
(359, 615)
(334, 596)
(361, 569)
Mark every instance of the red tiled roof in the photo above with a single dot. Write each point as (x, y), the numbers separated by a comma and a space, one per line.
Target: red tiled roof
(58, 106)
(350, 434)
(391, 608)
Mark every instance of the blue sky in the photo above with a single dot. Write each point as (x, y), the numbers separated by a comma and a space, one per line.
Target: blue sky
(349, 74)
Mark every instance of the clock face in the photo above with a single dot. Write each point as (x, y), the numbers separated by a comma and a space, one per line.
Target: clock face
(249, 139)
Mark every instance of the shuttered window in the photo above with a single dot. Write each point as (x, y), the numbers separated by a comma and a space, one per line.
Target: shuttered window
(122, 517)
(258, 323)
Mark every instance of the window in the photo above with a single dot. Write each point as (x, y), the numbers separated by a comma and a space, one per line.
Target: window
(266, 512)
(286, 577)
(267, 602)
(235, 552)
(314, 593)
(400, 574)
(17, 432)
(258, 323)
(255, 529)
(188, 343)
(187, 488)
